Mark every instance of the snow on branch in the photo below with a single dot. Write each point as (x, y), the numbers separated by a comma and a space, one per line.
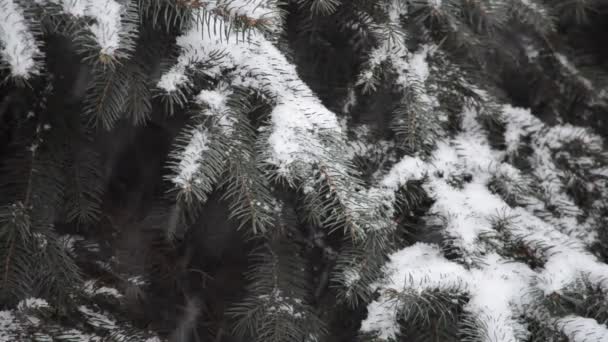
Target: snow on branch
(199, 162)
(545, 143)
(190, 160)
(113, 25)
(418, 268)
(18, 45)
(494, 290)
(32, 320)
(580, 329)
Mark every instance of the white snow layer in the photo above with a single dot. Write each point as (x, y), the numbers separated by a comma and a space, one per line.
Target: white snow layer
(18, 47)
(216, 101)
(417, 268)
(579, 329)
(499, 289)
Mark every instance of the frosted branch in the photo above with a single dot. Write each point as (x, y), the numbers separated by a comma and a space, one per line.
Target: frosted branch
(18, 46)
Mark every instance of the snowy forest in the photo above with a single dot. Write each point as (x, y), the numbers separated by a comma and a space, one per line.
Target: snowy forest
(303, 170)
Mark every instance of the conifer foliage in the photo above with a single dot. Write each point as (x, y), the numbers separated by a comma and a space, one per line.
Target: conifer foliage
(303, 170)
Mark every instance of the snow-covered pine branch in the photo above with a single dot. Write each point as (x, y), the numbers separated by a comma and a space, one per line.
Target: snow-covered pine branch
(19, 50)
(580, 329)
(303, 137)
(470, 208)
(198, 165)
(106, 29)
(28, 322)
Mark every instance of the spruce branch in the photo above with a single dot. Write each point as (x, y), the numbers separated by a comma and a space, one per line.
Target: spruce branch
(167, 14)
(176, 84)
(17, 281)
(414, 123)
(83, 188)
(20, 52)
(138, 106)
(104, 31)
(194, 180)
(106, 97)
(276, 307)
(245, 182)
(321, 7)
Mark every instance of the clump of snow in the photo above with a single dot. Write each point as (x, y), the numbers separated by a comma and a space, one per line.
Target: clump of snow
(91, 288)
(213, 98)
(191, 157)
(17, 43)
(173, 79)
(351, 276)
(382, 319)
(32, 303)
(216, 101)
(290, 133)
(468, 212)
(409, 168)
(519, 122)
(107, 28)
